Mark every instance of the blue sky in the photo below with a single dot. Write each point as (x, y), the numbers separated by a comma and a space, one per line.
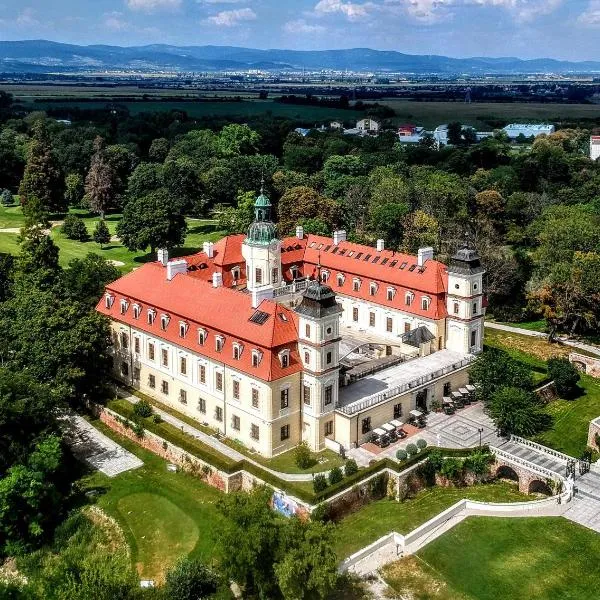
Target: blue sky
(567, 29)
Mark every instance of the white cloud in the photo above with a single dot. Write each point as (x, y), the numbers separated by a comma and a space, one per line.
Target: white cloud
(152, 5)
(229, 18)
(115, 22)
(221, 1)
(590, 17)
(351, 10)
(301, 26)
(27, 18)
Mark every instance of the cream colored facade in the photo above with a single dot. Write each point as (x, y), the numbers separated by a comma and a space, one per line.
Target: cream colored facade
(351, 430)
(189, 383)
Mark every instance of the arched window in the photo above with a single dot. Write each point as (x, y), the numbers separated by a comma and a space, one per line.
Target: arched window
(219, 341)
(356, 284)
(408, 298)
(202, 335)
(164, 321)
(425, 302)
(391, 292)
(183, 328)
(237, 350)
(258, 275)
(235, 273)
(340, 279)
(151, 316)
(108, 300)
(137, 309)
(124, 306)
(373, 288)
(284, 358)
(324, 276)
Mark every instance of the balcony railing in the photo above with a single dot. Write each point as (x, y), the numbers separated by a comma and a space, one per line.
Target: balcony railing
(292, 288)
(370, 401)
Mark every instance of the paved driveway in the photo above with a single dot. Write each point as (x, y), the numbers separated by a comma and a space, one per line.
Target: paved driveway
(97, 450)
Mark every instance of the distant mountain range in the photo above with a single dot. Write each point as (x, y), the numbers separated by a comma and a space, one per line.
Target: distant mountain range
(41, 56)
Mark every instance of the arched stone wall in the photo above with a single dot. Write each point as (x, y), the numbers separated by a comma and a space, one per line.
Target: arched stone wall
(525, 477)
(537, 486)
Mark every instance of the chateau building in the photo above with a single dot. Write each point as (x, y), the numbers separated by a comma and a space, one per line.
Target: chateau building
(258, 337)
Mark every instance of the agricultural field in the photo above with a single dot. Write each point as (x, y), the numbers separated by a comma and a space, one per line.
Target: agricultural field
(11, 220)
(502, 559)
(432, 114)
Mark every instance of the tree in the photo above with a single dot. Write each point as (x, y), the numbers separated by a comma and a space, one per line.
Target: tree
(100, 182)
(145, 179)
(29, 498)
(420, 231)
(301, 203)
(74, 189)
(84, 279)
(308, 567)
(159, 149)
(237, 139)
(350, 467)
(153, 220)
(335, 475)
(517, 411)
(565, 376)
(319, 483)
(101, 234)
(386, 222)
(182, 182)
(248, 541)
(6, 198)
(495, 369)
(42, 177)
(455, 133)
(190, 579)
(74, 228)
(303, 456)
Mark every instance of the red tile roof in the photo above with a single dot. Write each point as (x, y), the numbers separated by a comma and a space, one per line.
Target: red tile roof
(220, 311)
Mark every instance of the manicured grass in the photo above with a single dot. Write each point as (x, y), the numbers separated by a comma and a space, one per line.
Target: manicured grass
(383, 516)
(199, 231)
(484, 558)
(539, 325)
(571, 417)
(164, 515)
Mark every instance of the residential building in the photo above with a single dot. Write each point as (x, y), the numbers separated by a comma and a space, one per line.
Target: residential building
(595, 147)
(514, 130)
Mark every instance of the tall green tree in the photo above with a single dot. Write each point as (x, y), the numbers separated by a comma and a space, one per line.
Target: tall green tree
(518, 411)
(101, 181)
(191, 579)
(153, 221)
(74, 189)
(42, 178)
(301, 203)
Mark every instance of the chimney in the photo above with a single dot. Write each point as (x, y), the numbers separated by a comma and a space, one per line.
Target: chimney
(424, 255)
(339, 236)
(217, 280)
(208, 249)
(175, 267)
(380, 245)
(300, 232)
(163, 256)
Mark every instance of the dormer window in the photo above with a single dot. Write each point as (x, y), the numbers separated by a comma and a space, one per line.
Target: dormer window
(373, 288)
(109, 300)
(324, 276)
(183, 328)
(237, 351)
(202, 334)
(124, 306)
(219, 341)
(164, 321)
(340, 280)
(356, 285)
(425, 303)
(137, 309)
(151, 316)
(294, 271)
(235, 274)
(391, 292)
(284, 358)
(256, 357)
(456, 308)
(408, 298)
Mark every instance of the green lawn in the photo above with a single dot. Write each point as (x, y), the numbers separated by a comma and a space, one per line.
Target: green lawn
(164, 515)
(383, 516)
(571, 417)
(484, 558)
(539, 325)
(199, 230)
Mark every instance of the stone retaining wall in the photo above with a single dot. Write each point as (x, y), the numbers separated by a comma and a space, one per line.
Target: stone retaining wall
(593, 430)
(587, 364)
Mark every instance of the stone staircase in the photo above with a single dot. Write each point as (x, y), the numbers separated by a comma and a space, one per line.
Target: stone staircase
(537, 454)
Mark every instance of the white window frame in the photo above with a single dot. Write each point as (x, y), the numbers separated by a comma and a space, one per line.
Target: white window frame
(356, 284)
(164, 321)
(151, 316)
(341, 279)
(109, 300)
(256, 358)
(202, 335)
(137, 309)
(391, 293)
(409, 298)
(124, 305)
(373, 288)
(183, 329)
(219, 343)
(284, 355)
(237, 349)
(425, 303)
(324, 276)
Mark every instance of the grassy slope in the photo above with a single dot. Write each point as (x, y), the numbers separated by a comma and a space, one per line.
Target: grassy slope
(379, 518)
(505, 559)
(571, 417)
(164, 515)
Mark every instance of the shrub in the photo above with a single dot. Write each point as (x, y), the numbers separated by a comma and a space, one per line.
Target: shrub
(565, 376)
(411, 449)
(142, 409)
(189, 579)
(421, 444)
(319, 483)
(451, 468)
(303, 457)
(157, 418)
(335, 475)
(517, 411)
(436, 459)
(101, 234)
(321, 513)
(206, 470)
(350, 467)
(401, 454)
(478, 462)
(597, 440)
(6, 198)
(74, 228)
(377, 487)
(138, 429)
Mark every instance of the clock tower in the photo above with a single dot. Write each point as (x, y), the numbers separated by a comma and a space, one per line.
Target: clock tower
(261, 249)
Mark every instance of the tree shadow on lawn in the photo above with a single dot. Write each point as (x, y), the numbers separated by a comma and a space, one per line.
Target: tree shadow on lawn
(203, 228)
